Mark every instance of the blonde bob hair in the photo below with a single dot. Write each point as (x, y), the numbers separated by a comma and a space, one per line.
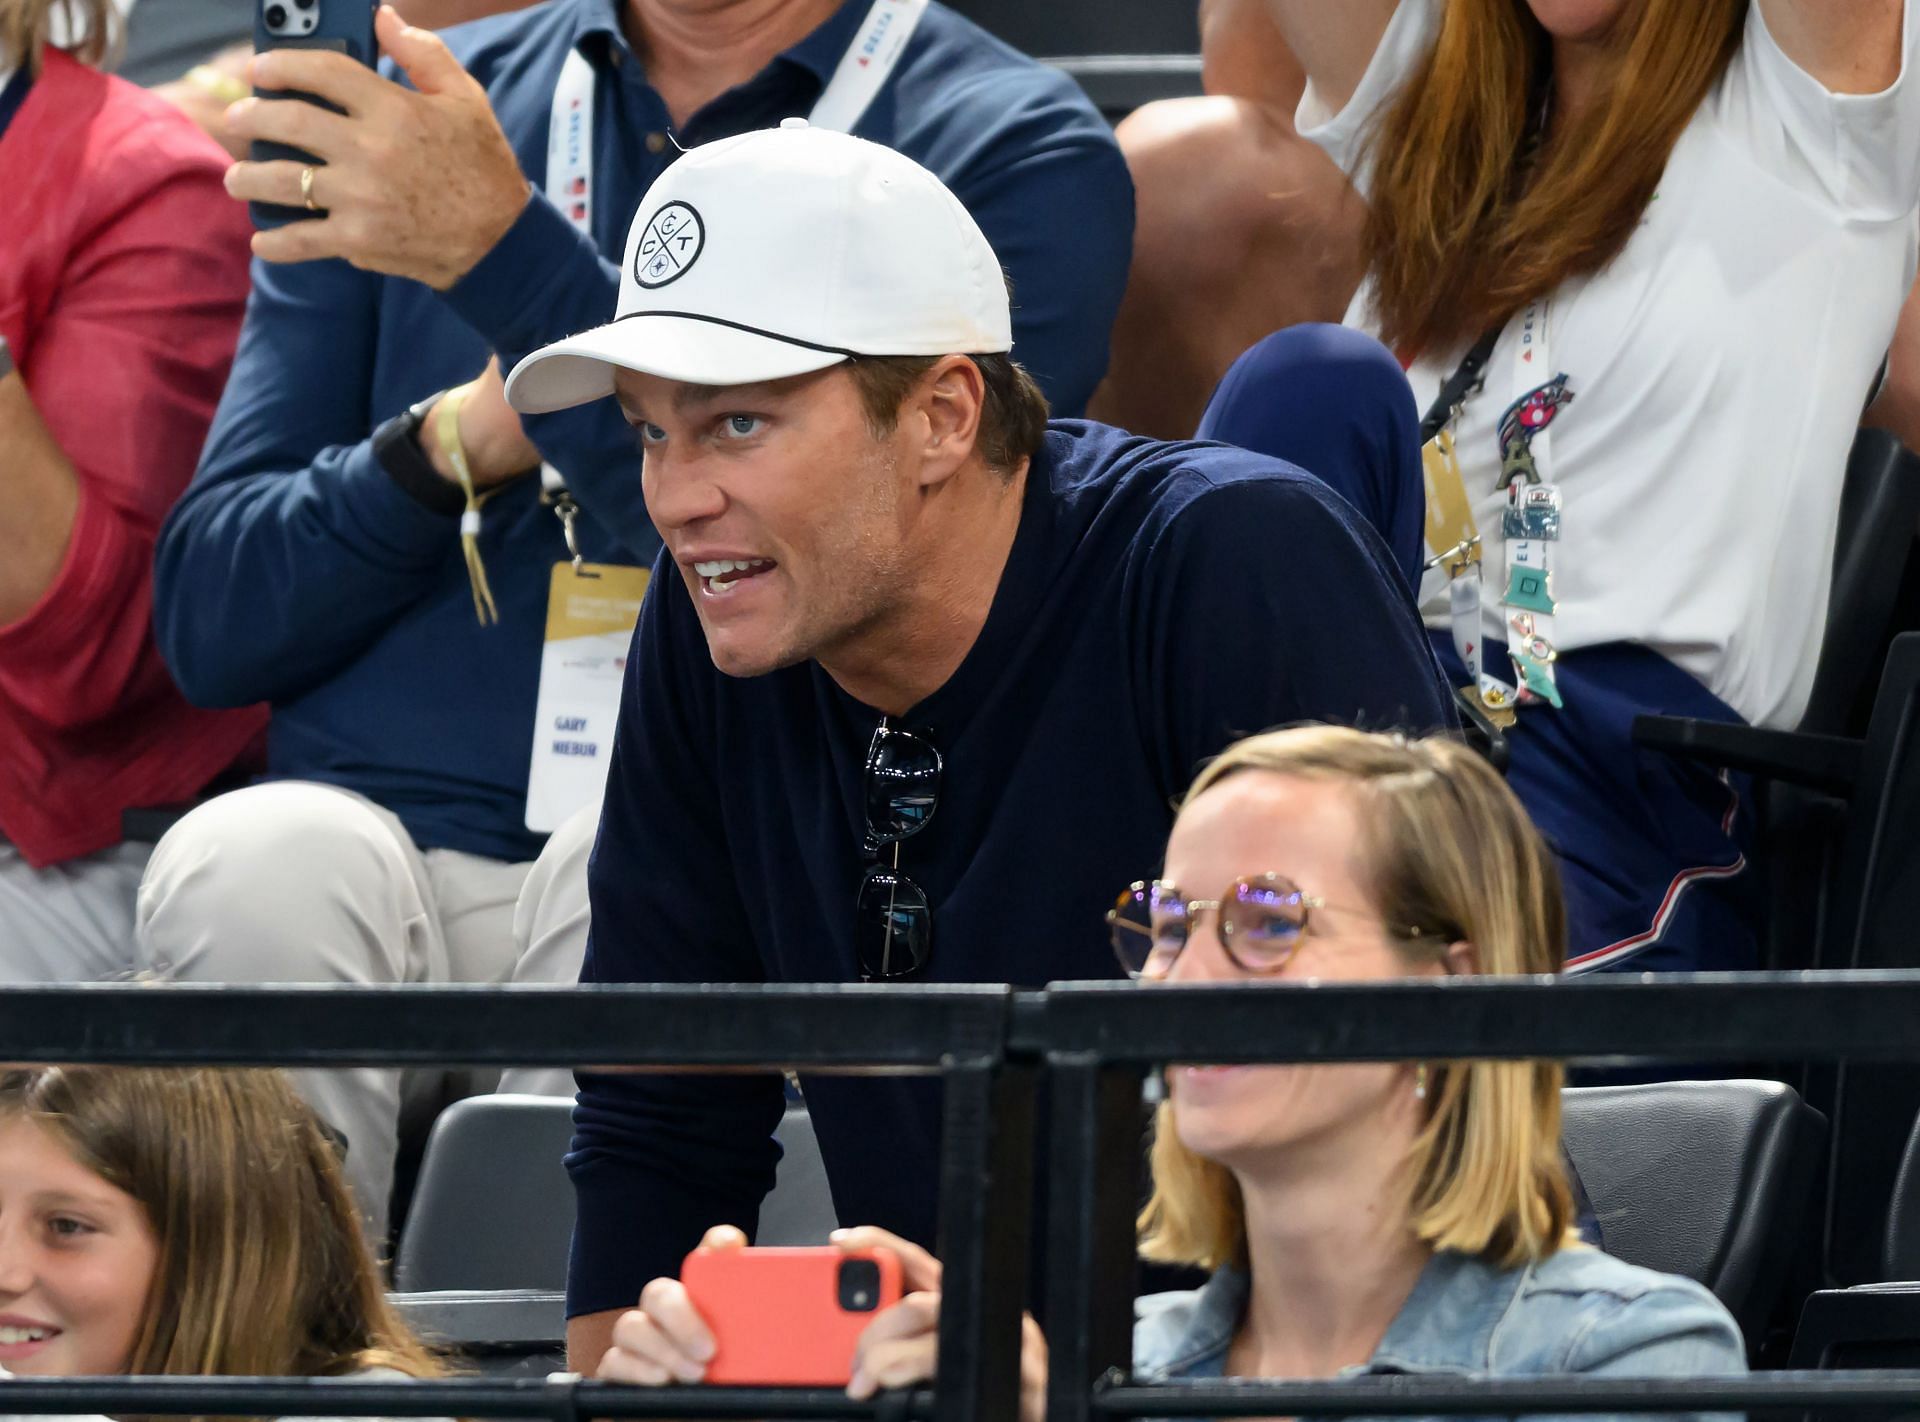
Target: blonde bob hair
(262, 1270)
(1446, 849)
(25, 25)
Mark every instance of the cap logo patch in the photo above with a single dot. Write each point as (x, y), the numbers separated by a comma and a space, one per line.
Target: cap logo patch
(670, 245)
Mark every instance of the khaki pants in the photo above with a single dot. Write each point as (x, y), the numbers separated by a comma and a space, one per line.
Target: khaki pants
(293, 882)
(70, 922)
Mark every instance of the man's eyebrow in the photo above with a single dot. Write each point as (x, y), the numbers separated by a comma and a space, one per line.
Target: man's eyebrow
(704, 397)
(691, 399)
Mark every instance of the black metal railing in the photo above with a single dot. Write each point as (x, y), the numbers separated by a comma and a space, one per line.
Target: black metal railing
(1092, 1044)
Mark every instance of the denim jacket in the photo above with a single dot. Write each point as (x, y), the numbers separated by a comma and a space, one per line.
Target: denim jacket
(1579, 1311)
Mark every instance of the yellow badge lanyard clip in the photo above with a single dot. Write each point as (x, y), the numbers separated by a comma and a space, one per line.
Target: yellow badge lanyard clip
(1452, 531)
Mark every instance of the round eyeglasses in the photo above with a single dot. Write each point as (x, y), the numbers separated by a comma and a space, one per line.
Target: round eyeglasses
(1262, 919)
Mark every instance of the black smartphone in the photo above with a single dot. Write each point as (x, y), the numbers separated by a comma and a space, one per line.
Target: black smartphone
(342, 25)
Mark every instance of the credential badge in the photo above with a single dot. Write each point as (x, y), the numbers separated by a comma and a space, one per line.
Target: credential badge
(670, 245)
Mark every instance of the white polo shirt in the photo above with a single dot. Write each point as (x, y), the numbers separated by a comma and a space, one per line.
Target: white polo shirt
(1719, 365)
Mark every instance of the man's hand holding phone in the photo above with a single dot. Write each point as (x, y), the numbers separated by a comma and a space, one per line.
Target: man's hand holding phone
(671, 1338)
(416, 183)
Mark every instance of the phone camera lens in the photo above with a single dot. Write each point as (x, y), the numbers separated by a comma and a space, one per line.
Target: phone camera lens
(306, 4)
(859, 1285)
(276, 17)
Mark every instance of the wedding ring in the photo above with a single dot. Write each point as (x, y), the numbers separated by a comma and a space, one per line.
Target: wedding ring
(306, 189)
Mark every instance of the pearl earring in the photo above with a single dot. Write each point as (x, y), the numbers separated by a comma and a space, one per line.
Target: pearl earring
(1420, 1082)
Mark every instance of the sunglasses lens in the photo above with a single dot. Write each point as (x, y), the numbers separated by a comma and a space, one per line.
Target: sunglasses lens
(903, 785)
(893, 926)
(1262, 921)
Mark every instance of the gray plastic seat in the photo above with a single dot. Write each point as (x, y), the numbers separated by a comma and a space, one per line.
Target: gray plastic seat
(512, 1333)
(494, 1210)
(1708, 1179)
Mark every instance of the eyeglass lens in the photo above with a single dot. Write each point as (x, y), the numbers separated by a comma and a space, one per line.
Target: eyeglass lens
(1261, 920)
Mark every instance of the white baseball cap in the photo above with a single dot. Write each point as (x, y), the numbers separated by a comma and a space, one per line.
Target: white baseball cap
(778, 253)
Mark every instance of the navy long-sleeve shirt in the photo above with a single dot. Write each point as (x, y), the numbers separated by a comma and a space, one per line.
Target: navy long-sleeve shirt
(1159, 602)
(296, 571)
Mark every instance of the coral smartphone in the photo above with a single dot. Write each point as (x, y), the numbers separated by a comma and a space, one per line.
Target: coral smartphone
(787, 1317)
(342, 25)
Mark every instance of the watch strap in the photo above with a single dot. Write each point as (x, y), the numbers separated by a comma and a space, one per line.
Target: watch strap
(397, 447)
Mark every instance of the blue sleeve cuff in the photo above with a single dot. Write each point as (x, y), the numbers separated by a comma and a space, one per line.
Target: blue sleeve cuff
(543, 281)
(382, 515)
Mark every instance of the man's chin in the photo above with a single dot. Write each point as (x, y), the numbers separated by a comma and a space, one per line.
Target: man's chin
(736, 660)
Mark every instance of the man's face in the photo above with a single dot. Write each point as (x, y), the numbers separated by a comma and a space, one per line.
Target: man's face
(787, 519)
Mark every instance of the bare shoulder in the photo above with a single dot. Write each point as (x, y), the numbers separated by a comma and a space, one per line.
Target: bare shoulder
(1849, 46)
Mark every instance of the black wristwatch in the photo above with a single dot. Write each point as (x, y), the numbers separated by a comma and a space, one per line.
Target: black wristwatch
(6, 359)
(396, 444)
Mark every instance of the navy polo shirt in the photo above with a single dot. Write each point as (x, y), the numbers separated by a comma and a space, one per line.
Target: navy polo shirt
(1159, 602)
(296, 571)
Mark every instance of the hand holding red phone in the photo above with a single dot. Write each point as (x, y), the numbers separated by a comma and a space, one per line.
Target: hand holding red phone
(758, 1317)
(901, 1347)
(669, 1339)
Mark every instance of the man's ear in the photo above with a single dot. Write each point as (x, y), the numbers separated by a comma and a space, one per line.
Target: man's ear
(949, 399)
(1462, 958)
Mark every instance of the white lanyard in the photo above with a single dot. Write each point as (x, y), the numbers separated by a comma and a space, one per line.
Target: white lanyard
(857, 80)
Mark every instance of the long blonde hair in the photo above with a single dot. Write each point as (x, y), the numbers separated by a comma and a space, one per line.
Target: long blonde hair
(262, 1269)
(1469, 218)
(1446, 849)
(25, 24)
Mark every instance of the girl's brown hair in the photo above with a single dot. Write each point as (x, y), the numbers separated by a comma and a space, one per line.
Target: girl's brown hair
(1448, 850)
(24, 25)
(1469, 217)
(262, 1269)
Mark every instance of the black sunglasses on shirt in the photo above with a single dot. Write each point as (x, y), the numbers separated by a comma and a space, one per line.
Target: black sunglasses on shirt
(893, 923)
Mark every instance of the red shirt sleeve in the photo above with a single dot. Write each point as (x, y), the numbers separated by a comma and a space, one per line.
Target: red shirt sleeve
(123, 307)
(126, 369)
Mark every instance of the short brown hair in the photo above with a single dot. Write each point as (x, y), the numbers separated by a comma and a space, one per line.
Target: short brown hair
(1448, 849)
(1013, 418)
(24, 25)
(262, 1270)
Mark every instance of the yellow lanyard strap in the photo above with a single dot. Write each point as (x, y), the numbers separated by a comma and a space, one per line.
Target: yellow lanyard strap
(446, 429)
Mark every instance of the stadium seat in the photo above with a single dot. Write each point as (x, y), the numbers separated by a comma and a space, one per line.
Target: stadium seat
(1901, 1257)
(1841, 832)
(1810, 778)
(494, 1210)
(1873, 1325)
(505, 1333)
(1120, 83)
(1709, 1179)
(1062, 28)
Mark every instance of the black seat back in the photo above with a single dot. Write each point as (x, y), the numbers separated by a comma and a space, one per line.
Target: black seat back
(494, 1209)
(1873, 906)
(1879, 512)
(1708, 1179)
(1055, 29)
(1901, 1257)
